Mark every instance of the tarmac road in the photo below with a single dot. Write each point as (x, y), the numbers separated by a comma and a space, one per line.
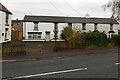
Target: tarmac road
(82, 66)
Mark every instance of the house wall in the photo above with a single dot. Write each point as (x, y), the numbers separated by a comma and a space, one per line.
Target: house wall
(119, 24)
(2, 29)
(1, 24)
(29, 26)
(100, 27)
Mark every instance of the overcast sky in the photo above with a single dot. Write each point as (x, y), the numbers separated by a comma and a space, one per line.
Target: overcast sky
(79, 8)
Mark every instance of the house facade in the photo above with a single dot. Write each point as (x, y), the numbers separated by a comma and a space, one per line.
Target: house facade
(49, 28)
(5, 24)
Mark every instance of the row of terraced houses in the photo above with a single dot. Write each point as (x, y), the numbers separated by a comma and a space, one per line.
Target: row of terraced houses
(49, 28)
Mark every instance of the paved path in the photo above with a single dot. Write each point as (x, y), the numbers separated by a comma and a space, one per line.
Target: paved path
(59, 54)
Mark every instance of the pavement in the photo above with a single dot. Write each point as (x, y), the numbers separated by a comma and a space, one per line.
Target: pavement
(96, 65)
(58, 54)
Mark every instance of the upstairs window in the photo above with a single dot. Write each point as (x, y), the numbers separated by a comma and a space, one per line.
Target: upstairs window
(83, 26)
(111, 27)
(7, 18)
(70, 24)
(35, 26)
(95, 26)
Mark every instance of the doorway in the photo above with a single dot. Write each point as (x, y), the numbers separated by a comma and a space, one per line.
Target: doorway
(47, 35)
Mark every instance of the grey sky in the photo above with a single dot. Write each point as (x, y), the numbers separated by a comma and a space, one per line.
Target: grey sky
(48, 7)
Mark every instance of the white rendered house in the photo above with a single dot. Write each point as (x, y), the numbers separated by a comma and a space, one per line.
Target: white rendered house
(5, 24)
(49, 28)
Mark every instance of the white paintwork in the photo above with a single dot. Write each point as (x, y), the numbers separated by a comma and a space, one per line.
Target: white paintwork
(29, 26)
(100, 27)
(50, 73)
(2, 27)
(117, 63)
(33, 40)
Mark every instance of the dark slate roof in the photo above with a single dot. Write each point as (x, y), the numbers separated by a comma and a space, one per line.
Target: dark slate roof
(60, 19)
(3, 8)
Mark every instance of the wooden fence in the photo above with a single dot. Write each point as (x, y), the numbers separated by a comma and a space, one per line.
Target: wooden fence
(11, 49)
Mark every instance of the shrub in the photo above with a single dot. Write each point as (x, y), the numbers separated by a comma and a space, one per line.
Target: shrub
(66, 32)
(95, 39)
(75, 41)
(115, 40)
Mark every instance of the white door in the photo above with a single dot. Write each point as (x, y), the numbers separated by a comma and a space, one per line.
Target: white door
(47, 37)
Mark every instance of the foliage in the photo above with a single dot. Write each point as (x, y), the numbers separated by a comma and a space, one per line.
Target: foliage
(86, 39)
(115, 40)
(115, 7)
(75, 40)
(95, 39)
(66, 32)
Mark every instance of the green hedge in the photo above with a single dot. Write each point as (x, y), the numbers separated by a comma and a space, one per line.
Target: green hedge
(115, 40)
(81, 40)
(95, 39)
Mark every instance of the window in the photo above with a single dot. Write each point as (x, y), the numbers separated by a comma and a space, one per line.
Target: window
(35, 26)
(111, 27)
(70, 24)
(30, 36)
(39, 35)
(34, 35)
(7, 18)
(83, 26)
(95, 28)
(6, 33)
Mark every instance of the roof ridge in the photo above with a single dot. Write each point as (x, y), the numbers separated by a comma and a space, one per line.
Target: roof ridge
(3, 8)
(65, 17)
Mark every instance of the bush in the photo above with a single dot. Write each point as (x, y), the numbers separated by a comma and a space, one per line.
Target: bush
(75, 41)
(95, 39)
(115, 40)
(66, 32)
(81, 40)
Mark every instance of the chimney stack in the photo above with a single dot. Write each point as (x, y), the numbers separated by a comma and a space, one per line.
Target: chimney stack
(86, 15)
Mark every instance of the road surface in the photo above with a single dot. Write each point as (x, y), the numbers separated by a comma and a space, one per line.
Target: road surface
(83, 66)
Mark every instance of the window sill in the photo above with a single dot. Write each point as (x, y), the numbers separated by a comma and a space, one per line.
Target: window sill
(6, 39)
(83, 29)
(6, 24)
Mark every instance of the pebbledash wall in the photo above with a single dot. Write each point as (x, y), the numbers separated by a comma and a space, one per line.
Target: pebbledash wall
(47, 24)
(43, 28)
(100, 27)
(5, 24)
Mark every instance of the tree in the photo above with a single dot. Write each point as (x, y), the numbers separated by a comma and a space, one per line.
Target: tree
(115, 7)
(66, 32)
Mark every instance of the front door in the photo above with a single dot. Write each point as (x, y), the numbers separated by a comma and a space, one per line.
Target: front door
(47, 37)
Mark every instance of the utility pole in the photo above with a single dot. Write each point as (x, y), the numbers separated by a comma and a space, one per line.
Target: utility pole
(55, 35)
